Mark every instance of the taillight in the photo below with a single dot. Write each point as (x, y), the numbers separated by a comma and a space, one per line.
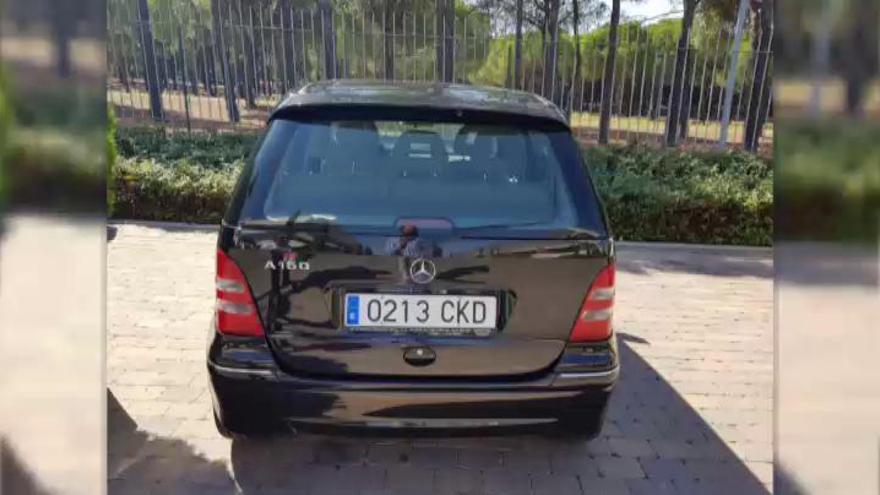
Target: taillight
(236, 312)
(593, 322)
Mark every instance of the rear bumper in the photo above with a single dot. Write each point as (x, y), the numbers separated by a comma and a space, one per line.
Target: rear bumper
(248, 399)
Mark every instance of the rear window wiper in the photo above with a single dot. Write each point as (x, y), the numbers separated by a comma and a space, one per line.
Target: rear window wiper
(285, 226)
(295, 222)
(508, 229)
(308, 232)
(492, 226)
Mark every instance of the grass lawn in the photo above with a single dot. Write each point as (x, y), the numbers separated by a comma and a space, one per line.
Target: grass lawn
(795, 96)
(698, 129)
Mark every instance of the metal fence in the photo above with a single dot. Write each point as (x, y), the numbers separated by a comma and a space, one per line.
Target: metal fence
(224, 68)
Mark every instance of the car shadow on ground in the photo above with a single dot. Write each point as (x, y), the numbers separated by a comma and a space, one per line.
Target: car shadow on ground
(653, 442)
(15, 476)
(724, 261)
(138, 462)
(785, 482)
(829, 264)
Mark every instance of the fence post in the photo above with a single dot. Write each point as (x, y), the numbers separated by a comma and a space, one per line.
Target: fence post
(732, 69)
(146, 29)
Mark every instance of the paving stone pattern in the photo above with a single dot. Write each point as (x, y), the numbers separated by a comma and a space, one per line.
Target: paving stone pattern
(692, 413)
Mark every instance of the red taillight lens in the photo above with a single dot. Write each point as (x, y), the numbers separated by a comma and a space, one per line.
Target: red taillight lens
(235, 310)
(593, 322)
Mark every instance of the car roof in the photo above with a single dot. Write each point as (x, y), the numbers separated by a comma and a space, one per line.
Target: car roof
(430, 95)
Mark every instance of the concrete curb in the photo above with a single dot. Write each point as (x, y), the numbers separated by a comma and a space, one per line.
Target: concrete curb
(165, 225)
(761, 250)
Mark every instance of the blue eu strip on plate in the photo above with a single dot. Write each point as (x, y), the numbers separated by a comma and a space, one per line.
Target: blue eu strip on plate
(352, 310)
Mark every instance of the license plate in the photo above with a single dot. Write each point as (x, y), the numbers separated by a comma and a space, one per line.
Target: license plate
(414, 311)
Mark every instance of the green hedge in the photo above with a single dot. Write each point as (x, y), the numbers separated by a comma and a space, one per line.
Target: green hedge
(714, 198)
(177, 177)
(50, 169)
(180, 191)
(719, 198)
(53, 149)
(220, 150)
(828, 185)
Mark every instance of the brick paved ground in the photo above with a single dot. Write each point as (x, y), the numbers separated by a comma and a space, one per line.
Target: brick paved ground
(692, 414)
(828, 384)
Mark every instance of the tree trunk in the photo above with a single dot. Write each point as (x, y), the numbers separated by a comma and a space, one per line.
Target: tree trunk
(62, 28)
(576, 83)
(577, 38)
(288, 46)
(183, 76)
(208, 61)
(193, 71)
(730, 84)
(123, 76)
(328, 35)
(517, 47)
(388, 38)
(219, 42)
(820, 59)
(152, 76)
(679, 76)
(761, 89)
(449, 39)
(861, 61)
(172, 70)
(551, 51)
(608, 77)
(687, 94)
(248, 55)
(201, 68)
(446, 42)
(259, 52)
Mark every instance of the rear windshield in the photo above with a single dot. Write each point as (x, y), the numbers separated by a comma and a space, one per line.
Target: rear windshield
(384, 173)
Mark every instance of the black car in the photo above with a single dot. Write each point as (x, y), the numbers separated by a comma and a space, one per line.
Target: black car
(414, 256)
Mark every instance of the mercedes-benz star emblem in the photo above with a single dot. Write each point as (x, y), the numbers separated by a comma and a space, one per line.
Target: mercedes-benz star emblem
(422, 271)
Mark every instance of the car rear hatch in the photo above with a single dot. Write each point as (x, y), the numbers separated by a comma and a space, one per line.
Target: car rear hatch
(390, 248)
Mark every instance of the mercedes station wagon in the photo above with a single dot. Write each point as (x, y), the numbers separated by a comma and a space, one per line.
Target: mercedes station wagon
(411, 257)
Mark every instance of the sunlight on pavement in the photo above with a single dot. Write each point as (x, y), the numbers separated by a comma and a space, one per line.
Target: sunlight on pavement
(51, 333)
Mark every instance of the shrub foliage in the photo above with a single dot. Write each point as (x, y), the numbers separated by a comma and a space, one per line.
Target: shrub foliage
(650, 195)
(829, 181)
(676, 196)
(181, 191)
